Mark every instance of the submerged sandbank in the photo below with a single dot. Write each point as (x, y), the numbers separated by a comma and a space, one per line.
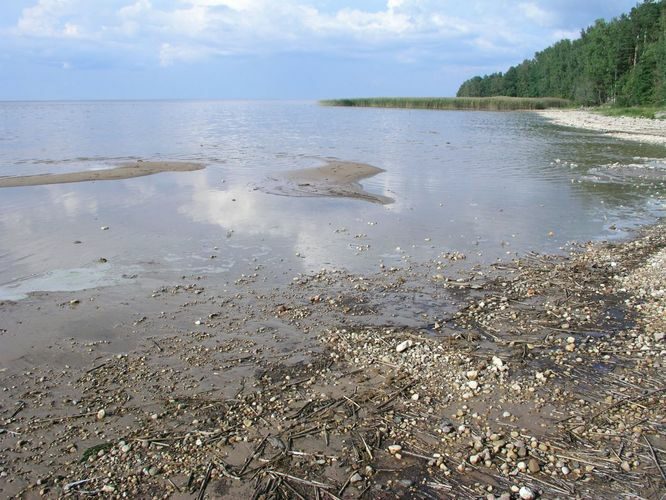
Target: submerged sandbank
(122, 171)
(335, 178)
(623, 127)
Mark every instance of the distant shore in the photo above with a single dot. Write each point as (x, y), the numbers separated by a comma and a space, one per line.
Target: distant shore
(633, 129)
(500, 103)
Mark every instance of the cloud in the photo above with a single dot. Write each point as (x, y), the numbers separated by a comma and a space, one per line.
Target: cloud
(151, 35)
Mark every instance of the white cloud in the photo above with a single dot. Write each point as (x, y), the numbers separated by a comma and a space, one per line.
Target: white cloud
(537, 14)
(174, 31)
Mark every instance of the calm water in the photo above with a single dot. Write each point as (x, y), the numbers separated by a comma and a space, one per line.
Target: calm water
(486, 184)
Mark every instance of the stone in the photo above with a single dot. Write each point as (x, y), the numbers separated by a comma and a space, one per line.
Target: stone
(497, 362)
(394, 448)
(101, 414)
(533, 465)
(473, 384)
(526, 493)
(403, 346)
(472, 374)
(356, 477)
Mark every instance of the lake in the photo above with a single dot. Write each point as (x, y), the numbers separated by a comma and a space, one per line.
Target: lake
(490, 185)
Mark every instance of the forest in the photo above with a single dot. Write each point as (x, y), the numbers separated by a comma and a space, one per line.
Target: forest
(620, 62)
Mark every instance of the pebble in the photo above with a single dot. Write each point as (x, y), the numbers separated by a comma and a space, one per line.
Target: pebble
(472, 374)
(394, 448)
(473, 384)
(526, 493)
(101, 414)
(533, 465)
(403, 346)
(497, 362)
(356, 477)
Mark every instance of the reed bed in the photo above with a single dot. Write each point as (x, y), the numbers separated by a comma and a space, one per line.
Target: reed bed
(454, 103)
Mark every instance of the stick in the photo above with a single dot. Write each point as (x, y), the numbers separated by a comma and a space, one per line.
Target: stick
(655, 458)
(344, 486)
(95, 368)
(254, 454)
(396, 394)
(204, 484)
(18, 410)
(299, 480)
(291, 488)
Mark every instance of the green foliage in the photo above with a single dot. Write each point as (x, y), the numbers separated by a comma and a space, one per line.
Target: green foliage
(619, 62)
(453, 103)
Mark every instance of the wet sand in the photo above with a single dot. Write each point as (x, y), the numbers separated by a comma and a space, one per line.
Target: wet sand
(433, 380)
(334, 178)
(122, 171)
(627, 128)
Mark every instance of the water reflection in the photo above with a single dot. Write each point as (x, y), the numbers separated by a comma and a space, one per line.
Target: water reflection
(486, 184)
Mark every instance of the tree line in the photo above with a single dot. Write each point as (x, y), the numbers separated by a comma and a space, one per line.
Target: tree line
(620, 62)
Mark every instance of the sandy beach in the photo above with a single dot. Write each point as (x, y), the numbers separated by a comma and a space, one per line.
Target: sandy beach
(123, 171)
(627, 128)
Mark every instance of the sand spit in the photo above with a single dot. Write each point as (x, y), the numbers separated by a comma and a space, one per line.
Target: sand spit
(335, 178)
(541, 377)
(632, 129)
(122, 171)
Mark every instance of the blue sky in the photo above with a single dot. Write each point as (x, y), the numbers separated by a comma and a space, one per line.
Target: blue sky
(272, 49)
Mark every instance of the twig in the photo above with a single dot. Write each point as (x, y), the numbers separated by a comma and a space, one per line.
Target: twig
(344, 486)
(395, 394)
(18, 410)
(174, 485)
(299, 480)
(291, 488)
(655, 458)
(204, 484)
(254, 454)
(69, 486)
(95, 368)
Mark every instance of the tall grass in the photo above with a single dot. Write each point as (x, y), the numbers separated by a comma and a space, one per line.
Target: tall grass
(454, 103)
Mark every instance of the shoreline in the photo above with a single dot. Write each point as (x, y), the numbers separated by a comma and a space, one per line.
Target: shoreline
(626, 128)
(480, 399)
(123, 171)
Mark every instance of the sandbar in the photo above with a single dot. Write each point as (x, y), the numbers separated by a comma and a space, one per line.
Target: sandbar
(622, 127)
(122, 171)
(335, 178)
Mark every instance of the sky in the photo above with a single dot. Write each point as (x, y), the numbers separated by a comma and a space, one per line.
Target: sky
(273, 49)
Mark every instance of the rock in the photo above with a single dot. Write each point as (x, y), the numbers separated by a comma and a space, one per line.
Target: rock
(659, 336)
(394, 448)
(406, 483)
(125, 448)
(526, 493)
(533, 465)
(108, 488)
(101, 414)
(356, 477)
(104, 228)
(497, 362)
(472, 374)
(403, 346)
(473, 384)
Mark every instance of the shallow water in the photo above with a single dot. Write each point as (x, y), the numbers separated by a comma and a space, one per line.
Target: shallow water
(489, 185)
